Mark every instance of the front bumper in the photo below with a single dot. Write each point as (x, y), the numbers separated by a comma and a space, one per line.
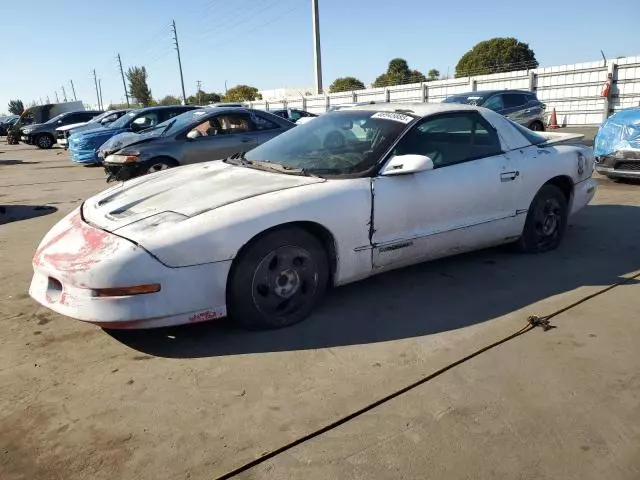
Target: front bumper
(623, 164)
(76, 258)
(84, 156)
(26, 139)
(124, 171)
(63, 142)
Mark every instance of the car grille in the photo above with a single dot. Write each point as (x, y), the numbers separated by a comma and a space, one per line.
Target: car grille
(635, 166)
(61, 135)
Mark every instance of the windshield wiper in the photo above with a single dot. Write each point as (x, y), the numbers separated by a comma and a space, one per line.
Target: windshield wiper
(237, 159)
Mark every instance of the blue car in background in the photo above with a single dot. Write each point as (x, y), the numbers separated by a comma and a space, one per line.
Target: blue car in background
(83, 146)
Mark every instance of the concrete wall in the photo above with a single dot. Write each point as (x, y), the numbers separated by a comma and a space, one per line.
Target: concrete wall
(573, 90)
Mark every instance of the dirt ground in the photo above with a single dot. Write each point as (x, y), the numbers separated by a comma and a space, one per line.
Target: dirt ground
(197, 402)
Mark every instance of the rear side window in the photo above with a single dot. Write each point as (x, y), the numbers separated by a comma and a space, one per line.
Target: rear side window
(514, 100)
(261, 123)
(530, 135)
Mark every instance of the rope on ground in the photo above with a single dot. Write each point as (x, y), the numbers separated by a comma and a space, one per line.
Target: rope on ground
(532, 322)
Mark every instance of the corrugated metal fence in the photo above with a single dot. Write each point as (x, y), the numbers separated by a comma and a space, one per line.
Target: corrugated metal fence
(573, 90)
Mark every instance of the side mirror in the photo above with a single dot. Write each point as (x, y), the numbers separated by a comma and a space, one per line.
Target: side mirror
(407, 164)
(193, 134)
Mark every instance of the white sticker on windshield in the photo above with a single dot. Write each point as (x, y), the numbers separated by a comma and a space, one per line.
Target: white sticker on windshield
(396, 117)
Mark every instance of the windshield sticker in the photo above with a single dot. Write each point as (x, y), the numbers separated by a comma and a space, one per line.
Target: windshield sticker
(396, 117)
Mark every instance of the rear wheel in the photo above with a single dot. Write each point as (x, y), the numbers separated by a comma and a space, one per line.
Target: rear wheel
(278, 279)
(546, 221)
(44, 141)
(536, 126)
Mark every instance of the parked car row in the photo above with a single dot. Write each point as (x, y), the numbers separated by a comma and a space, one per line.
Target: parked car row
(261, 235)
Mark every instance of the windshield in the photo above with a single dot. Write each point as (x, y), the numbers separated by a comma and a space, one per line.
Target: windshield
(468, 98)
(56, 118)
(124, 120)
(337, 143)
(101, 116)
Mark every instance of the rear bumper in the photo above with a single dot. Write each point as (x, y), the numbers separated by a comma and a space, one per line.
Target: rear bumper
(75, 259)
(583, 193)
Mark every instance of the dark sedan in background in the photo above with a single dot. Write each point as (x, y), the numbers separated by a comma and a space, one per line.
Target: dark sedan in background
(292, 114)
(196, 136)
(521, 106)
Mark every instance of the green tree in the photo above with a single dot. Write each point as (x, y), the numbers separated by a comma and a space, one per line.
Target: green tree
(345, 84)
(16, 107)
(496, 55)
(203, 98)
(242, 93)
(169, 100)
(138, 87)
(433, 74)
(398, 73)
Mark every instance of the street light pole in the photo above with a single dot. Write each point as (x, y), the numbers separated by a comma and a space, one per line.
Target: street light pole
(316, 46)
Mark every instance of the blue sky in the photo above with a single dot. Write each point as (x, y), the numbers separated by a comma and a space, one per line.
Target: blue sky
(268, 44)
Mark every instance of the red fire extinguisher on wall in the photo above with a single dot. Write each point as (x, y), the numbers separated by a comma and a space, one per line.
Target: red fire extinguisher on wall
(606, 89)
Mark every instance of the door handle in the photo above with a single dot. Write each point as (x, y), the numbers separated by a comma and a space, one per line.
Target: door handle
(508, 176)
(528, 110)
(245, 140)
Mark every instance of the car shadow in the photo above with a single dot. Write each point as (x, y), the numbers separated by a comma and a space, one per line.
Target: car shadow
(15, 162)
(602, 244)
(15, 213)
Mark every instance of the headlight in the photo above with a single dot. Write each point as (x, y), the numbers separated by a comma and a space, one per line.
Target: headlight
(154, 222)
(129, 158)
(27, 130)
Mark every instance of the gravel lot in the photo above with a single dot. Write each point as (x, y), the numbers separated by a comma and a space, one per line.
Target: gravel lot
(199, 401)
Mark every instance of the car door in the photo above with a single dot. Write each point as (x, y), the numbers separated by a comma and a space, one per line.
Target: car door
(515, 105)
(218, 137)
(263, 129)
(495, 103)
(464, 203)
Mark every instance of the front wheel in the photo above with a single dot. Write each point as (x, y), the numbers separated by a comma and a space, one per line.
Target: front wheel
(159, 164)
(546, 221)
(278, 280)
(44, 141)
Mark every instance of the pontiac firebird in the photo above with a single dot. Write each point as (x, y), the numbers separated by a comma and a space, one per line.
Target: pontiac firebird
(261, 236)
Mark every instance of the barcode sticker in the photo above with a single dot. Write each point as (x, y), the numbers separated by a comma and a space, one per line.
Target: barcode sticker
(396, 117)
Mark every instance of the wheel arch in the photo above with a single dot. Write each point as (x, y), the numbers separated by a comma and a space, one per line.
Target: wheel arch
(565, 184)
(319, 231)
(166, 156)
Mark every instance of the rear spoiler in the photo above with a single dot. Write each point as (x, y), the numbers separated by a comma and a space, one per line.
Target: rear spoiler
(554, 138)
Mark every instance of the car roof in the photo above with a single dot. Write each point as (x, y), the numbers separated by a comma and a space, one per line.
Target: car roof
(419, 109)
(486, 93)
(168, 107)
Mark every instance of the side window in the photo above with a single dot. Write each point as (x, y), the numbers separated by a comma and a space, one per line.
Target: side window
(261, 123)
(233, 123)
(494, 103)
(451, 138)
(208, 128)
(168, 113)
(514, 100)
(281, 113)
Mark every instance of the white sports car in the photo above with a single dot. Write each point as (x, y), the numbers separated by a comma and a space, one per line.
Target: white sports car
(261, 236)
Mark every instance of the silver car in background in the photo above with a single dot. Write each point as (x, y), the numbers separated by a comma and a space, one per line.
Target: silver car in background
(521, 106)
(192, 137)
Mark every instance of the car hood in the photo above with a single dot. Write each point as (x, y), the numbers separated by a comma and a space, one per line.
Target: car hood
(188, 191)
(126, 139)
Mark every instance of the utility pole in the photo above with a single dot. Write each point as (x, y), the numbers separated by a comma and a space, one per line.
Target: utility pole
(73, 89)
(124, 84)
(57, 100)
(316, 45)
(175, 40)
(64, 94)
(95, 80)
(100, 90)
(48, 101)
(199, 91)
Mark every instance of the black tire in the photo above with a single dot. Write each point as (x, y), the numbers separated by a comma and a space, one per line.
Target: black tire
(536, 126)
(546, 221)
(277, 280)
(44, 141)
(158, 164)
